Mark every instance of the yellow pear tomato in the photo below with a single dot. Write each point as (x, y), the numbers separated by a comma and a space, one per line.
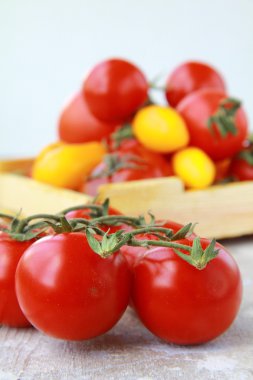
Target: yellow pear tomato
(194, 167)
(160, 129)
(67, 165)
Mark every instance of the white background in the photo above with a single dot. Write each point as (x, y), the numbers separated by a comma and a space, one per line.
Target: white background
(47, 46)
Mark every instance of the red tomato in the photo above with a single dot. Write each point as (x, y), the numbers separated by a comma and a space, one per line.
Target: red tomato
(68, 291)
(85, 213)
(10, 253)
(189, 77)
(143, 165)
(182, 304)
(197, 109)
(242, 166)
(115, 89)
(222, 170)
(134, 254)
(78, 125)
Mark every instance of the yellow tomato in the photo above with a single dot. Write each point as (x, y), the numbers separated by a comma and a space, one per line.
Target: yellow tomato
(160, 129)
(67, 165)
(194, 167)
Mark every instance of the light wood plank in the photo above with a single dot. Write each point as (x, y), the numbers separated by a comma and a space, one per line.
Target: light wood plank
(21, 193)
(220, 211)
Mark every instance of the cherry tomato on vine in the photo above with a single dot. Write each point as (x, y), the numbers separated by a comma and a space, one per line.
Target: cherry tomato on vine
(217, 124)
(67, 291)
(189, 77)
(133, 147)
(160, 129)
(241, 167)
(134, 254)
(78, 125)
(115, 89)
(182, 304)
(85, 213)
(10, 253)
(126, 165)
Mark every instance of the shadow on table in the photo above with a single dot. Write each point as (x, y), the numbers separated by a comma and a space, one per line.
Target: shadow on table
(129, 335)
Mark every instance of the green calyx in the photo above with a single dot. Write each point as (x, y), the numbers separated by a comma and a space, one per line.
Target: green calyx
(198, 256)
(114, 162)
(105, 244)
(25, 229)
(123, 133)
(94, 210)
(224, 118)
(247, 155)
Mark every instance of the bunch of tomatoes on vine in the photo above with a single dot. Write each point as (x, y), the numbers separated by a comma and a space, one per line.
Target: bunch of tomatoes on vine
(113, 131)
(73, 274)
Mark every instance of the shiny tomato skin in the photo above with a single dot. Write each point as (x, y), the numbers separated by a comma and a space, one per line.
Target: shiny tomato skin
(10, 253)
(134, 254)
(189, 77)
(151, 165)
(132, 146)
(115, 89)
(222, 169)
(196, 109)
(184, 305)
(241, 170)
(69, 292)
(85, 213)
(78, 125)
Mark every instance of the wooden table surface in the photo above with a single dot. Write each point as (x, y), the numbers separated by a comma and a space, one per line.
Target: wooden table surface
(129, 351)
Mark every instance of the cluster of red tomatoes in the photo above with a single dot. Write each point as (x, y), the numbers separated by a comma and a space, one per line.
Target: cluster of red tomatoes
(201, 135)
(70, 279)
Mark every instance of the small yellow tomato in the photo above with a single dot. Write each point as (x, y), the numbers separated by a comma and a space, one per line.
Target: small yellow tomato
(194, 167)
(67, 165)
(160, 129)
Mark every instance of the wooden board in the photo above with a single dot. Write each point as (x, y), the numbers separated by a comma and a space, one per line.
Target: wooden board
(220, 211)
(18, 193)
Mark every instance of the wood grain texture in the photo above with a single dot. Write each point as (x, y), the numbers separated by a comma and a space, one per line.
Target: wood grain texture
(221, 211)
(21, 193)
(130, 352)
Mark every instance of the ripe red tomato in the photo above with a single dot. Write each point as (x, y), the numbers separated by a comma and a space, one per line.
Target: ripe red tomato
(182, 304)
(222, 169)
(78, 125)
(68, 291)
(134, 254)
(137, 168)
(197, 109)
(85, 213)
(140, 164)
(10, 253)
(242, 166)
(115, 89)
(189, 77)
